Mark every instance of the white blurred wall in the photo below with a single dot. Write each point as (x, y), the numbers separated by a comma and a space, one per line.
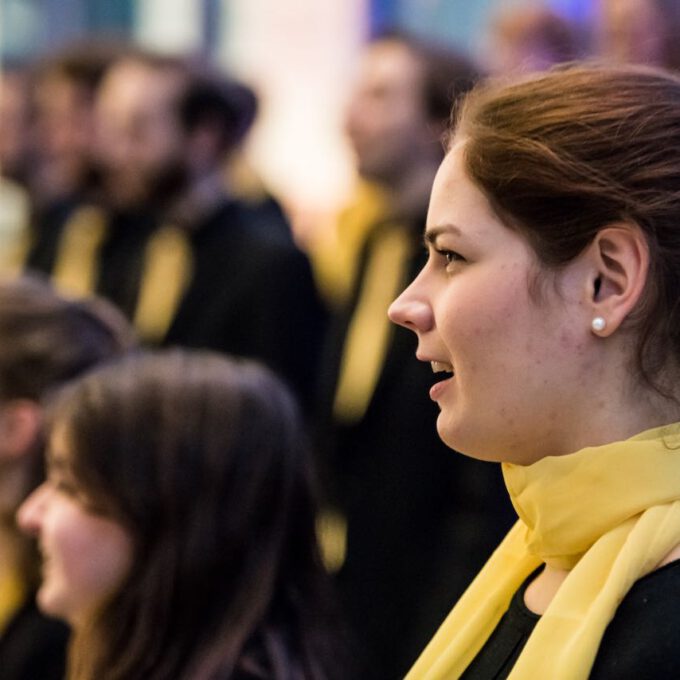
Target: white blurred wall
(300, 55)
(169, 25)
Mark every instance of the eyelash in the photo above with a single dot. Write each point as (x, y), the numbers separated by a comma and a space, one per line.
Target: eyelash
(450, 256)
(62, 485)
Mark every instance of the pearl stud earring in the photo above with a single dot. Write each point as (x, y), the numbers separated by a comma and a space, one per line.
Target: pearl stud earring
(598, 324)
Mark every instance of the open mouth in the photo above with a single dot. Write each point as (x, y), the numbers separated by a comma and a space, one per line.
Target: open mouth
(444, 373)
(442, 367)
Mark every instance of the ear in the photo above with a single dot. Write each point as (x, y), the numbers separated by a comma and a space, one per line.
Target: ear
(20, 422)
(620, 258)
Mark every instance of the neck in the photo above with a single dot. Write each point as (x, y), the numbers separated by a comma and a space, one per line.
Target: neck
(203, 195)
(636, 408)
(612, 405)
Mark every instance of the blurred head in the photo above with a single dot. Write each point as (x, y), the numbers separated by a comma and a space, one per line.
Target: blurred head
(183, 483)
(529, 37)
(45, 341)
(639, 31)
(14, 123)
(401, 105)
(550, 211)
(63, 91)
(162, 123)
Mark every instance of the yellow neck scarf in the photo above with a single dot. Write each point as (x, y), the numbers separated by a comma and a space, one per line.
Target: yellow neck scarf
(609, 514)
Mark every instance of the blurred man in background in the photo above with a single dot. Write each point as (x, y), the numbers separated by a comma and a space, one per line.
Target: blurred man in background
(639, 31)
(529, 36)
(197, 266)
(409, 523)
(60, 174)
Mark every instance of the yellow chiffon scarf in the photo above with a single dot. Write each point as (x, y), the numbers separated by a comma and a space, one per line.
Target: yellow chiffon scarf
(609, 514)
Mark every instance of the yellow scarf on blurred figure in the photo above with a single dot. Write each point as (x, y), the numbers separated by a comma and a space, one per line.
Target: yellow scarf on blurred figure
(609, 514)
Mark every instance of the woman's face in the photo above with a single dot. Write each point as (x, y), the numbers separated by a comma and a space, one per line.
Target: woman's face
(510, 366)
(85, 555)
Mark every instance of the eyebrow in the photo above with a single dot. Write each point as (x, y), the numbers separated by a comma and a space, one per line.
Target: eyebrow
(432, 233)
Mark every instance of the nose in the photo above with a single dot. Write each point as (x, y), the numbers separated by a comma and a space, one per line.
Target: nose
(412, 311)
(30, 512)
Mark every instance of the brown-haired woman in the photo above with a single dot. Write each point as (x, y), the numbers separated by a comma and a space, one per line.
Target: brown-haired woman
(550, 308)
(45, 340)
(177, 525)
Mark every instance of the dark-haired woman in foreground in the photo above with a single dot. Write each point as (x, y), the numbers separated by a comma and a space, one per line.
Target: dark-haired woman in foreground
(550, 308)
(177, 525)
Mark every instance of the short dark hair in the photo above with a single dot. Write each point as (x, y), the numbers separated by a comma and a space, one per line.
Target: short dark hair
(205, 96)
(227, 104)
(82, 62)
(447, 73)
(47, 339)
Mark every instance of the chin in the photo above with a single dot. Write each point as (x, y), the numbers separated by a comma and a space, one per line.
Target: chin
(46, 603)
(51, 604)
(463, 441)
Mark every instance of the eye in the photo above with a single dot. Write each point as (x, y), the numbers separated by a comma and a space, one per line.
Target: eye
(61, 483)
(63, 486)
(450, 257)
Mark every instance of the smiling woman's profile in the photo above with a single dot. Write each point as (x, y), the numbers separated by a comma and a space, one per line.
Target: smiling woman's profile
(177, 525)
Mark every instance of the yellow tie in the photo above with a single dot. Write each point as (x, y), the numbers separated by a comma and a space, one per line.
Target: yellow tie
(15, 233)
(335, 255)
(168, 268)
(12, 597)
(369, 330)
(77, 262)
(331, 533)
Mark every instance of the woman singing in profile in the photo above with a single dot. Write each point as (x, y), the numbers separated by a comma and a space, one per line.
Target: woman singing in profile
(549, 309)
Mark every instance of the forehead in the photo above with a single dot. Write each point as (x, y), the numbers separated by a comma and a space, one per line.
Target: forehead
(131, 87)
(54, 89)
(391, 65)
(455, 197)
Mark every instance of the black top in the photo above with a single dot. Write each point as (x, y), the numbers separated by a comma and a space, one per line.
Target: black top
(33, 647)
(251, 292)
(641, 642)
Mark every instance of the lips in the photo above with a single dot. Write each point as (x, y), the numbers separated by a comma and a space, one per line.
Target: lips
(445, 371)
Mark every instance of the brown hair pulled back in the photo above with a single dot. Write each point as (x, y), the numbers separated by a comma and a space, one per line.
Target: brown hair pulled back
(563, 154)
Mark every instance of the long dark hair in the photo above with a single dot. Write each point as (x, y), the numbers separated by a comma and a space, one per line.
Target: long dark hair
(203, 460)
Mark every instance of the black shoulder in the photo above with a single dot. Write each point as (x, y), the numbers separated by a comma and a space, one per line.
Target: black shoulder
(643, 639)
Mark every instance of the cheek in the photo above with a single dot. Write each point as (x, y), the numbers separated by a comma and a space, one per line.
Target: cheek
(105, 557)
(88, 557)
(486, 324)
